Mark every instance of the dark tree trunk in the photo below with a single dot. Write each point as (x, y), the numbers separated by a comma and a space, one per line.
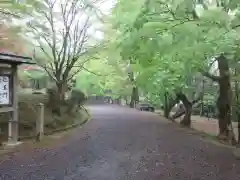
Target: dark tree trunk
(169, 102)
(166, 109)
(238, 116)
(224, 101)
(181, 111)
(186, 121)
(202, 103)
(237, 103)
(59, 98)
(202, 109)
(134, 97)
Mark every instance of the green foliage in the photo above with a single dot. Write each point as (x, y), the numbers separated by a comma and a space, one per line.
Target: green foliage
(77, 96)
(169, 42)
(104, 74)
(10, 9)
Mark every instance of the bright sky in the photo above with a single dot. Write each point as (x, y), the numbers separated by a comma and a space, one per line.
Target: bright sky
(95, 30)
(107, 5)
(104, 6)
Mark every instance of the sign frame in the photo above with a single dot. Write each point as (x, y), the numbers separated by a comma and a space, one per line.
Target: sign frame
(10, 89)
(8, 67)
(10, 85)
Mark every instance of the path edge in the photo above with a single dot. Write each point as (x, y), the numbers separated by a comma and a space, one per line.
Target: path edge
(66, 128)
(205, 136)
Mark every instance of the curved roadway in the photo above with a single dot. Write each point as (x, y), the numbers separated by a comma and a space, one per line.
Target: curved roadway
(124, 144)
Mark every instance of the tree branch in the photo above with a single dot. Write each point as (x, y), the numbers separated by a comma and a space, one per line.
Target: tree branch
(67, 28)
(50, 20)
(78, 44)
(8, 13)
(210, 76)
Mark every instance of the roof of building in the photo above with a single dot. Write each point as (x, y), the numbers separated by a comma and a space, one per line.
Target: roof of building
(15, 59)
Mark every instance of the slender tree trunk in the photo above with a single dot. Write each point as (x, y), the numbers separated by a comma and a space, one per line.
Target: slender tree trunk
(202, 103)
(181, 111)
(238, 124)
(237, 104)
(168, 104)
(186, 121)
(134, 97)
(126, 99)
(166, 109)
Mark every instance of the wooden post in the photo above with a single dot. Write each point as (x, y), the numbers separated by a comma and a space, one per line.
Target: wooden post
(40, 122)
(13, 123)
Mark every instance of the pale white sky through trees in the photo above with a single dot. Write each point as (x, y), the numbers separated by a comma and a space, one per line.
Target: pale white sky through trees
(104, 7)
(95, 30)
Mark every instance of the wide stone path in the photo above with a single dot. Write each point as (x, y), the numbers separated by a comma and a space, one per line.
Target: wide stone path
(121, 144)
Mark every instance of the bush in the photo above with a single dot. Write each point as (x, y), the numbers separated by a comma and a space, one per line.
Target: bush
(77, 98)
(27, 111)
(28, 114)
(53, 100)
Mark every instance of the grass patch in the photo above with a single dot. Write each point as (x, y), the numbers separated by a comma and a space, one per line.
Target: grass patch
(28, 114)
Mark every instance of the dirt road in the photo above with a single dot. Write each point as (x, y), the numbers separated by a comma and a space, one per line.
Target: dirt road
(121, 144)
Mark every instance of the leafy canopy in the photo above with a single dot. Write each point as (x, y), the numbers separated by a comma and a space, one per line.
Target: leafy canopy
(169, 41)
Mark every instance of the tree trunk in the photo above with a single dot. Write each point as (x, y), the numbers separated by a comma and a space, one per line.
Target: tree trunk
(238, 116)
(166, 109)
(134, 97)
(202, 103)
(224, 101)
(202, 109)
(237, 104)
(181, 111)
(61, 90)
(59, 98)
(126, 99)
(168, 104)
(186, 121)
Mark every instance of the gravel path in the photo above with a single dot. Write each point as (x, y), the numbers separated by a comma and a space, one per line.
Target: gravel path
(124, 144)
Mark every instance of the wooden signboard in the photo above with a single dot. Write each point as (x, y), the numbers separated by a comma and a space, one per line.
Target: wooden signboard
(8, 90)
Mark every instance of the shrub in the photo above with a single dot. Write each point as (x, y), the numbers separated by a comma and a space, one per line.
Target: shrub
(28, 114)
(77, 98)
(27, 111)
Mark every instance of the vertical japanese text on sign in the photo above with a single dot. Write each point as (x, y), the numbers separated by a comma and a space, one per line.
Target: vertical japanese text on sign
(4, 90)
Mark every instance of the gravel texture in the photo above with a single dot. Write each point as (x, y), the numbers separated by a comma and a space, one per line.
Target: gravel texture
(125, 144)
